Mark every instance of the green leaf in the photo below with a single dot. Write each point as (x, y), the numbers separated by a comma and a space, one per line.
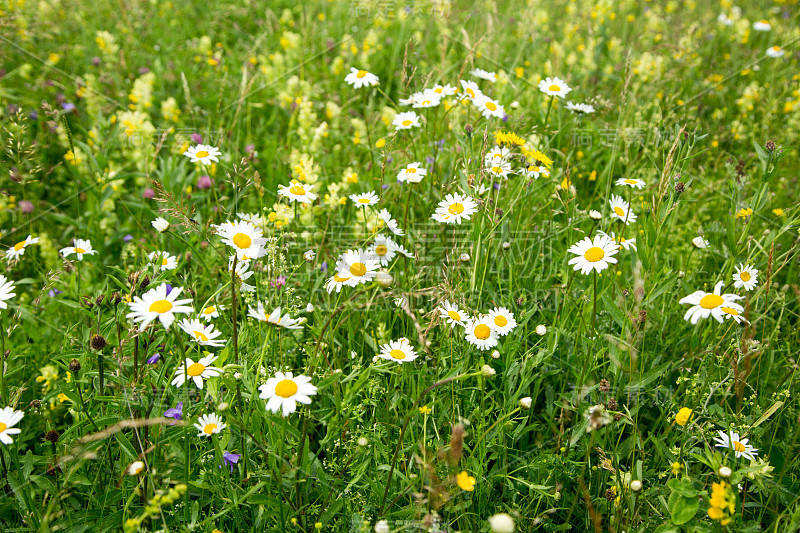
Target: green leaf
(683, 487)
(616, 313)
(682, 508)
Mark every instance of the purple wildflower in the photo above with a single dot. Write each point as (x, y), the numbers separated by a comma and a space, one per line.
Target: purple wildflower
(230, 458)
(175, 412)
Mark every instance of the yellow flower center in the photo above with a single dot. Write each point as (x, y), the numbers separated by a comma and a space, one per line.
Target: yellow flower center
(554, 88)
(456, 209)
(286, 388)
(3, 427)
(730, 310)
(411, 171)
(744, 276)
(358, 269)
(200, 336)
(209, 310)
(496, 169)
(201, 153)
(710, 301)
(482, 331)
(80, 251)
(338, 279)
(618, 210)
(776, 48)
(490, 106)
(363, 200)
(195, 369)
(426, 102)
(406, 122)
(19, 246)
(500, 321)
(594, 254)
(361, 73)
(164, 261)
(297, 190)
(471, 93)
(381, 249)
(455, 316)
(397, 354)
(160, 306)
(630, 182)
(242, 240)
(738, 446)
(209, 429)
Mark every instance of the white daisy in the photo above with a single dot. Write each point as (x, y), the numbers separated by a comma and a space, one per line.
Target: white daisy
(284, 391)
(204, 335)
(243, 237)
(8, 418)
(470, 89)
(735, 442)
(425, 99)
(160, 224)
(620, 209)
(488, 107)
(455, 208)
(164, 260)
(412, 173)
(211, 311)
(336, 282)
(484, 75)
(733, 314)
(18, 249)
(554, 87)
(745, 276)
(253, 218)
(242, 273)
(500, 169)
(361, 78)
(700, 242)
(197, 372)
(705, 304)
(593, 254)
(775, 51)
(580, 109)
(626, 244)
(399, 351)
(534, 171)
(502, 320)
(6, 286)
(82, 247)
(384, 249)
(453, 315)
(481, 334)
(298, 192)
(358, 266)
(209, 425)
(365, 199)
(631, 182)
(444, 90)
(762, 25)
(135, 468)
(390, 222)
(497, 155)
(203, 153)
(157, 304)
(274, 318)
(406, 120)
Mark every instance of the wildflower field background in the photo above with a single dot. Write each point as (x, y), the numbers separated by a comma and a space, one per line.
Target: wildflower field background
(399, 266)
